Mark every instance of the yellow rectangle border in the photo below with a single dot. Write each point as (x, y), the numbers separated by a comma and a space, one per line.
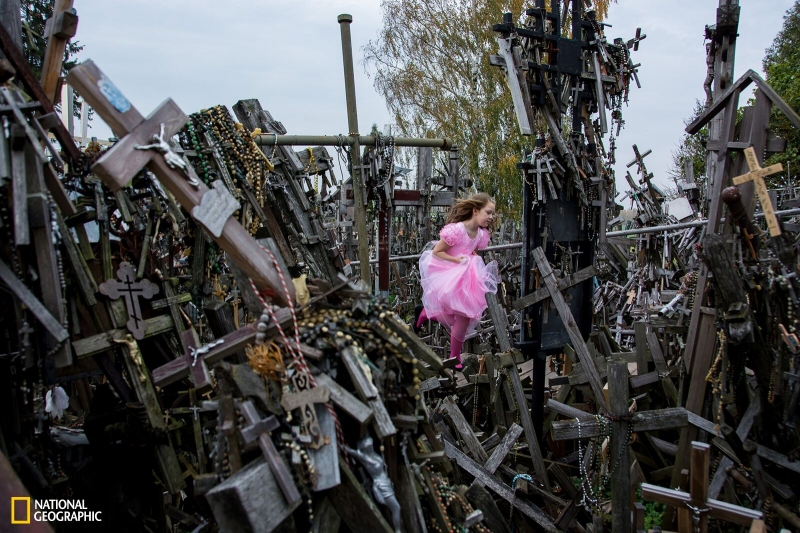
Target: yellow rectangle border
(27, 500)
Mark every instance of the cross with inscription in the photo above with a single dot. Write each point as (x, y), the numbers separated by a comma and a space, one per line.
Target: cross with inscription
(130, 289)
(757, 175)
(123, 161)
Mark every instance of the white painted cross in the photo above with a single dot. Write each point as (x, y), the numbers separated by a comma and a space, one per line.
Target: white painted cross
(757, 175)
(123, 161)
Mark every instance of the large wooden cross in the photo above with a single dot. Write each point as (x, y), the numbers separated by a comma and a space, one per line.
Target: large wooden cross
(757, 175)
(121, 163)
(696, 500)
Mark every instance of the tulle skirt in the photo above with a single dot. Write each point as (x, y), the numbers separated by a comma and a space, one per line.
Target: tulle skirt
(451, 289)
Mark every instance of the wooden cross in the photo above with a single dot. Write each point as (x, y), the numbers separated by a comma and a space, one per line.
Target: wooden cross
(235, 301)
(757, 175)
(197, 365)
(563, 284)
(587, 426)
(233, 342)
(258, 429)
(130, 289)
(696, 500)
(639, 161)
(121, 163)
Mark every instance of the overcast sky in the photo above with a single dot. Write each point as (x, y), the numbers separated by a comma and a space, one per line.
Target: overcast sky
(287, 54)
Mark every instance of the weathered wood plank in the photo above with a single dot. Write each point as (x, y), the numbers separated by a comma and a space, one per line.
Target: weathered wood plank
(670, 418)
(500, 452)
(100, 343)
(527, 424)
(41, 313)
(563, 284)
(346, 401)
(463, 428)
(621, 474)
(500, 488)
(572, 328)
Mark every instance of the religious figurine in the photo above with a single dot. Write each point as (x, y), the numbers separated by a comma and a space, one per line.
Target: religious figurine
(175, 161)
(382, 488)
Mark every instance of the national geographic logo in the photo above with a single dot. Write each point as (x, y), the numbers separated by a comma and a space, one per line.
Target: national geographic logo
(51, 511)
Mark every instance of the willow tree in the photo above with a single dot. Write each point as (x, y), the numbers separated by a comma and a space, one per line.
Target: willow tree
(431, 62)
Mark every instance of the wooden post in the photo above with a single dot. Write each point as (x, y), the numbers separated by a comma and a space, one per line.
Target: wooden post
(621, 473)
(59, 29)
(355, 152)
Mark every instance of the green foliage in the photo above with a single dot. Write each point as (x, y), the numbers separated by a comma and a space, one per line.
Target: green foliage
(691, 147)
(653, 511)
(34, 17)
(432, 66)
(782, 66)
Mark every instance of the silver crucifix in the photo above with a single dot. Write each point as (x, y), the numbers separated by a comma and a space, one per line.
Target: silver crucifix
(159, 144)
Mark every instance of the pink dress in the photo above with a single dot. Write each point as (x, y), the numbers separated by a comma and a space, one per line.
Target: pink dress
(457, 288)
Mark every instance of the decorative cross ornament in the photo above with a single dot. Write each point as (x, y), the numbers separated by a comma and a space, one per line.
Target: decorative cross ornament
(123, 161)
(757, 175)
(130, 289)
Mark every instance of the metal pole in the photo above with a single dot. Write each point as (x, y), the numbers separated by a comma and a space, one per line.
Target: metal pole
(656, 229)
(270, 139)
(355, 153)
(684, 225)
(416, 257)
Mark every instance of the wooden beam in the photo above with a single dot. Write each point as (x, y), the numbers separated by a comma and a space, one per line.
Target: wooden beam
(572, 328)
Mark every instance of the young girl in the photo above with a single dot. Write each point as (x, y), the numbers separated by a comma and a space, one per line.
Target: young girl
(454, 278)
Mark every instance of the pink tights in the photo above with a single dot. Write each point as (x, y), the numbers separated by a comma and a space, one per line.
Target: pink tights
(457, 334)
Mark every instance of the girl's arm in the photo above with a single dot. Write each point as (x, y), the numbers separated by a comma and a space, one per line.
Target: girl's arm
(440, 251)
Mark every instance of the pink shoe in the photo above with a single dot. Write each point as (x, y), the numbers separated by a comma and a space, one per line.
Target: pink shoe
(459, 366)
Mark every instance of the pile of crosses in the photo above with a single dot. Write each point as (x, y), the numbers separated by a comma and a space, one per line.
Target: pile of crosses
(190, 288)
(140, 340)
(691, 324)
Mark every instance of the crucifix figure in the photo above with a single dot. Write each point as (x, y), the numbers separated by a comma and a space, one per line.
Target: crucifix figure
(699, 506)
(159, 144)
(757, 175)
(382, 487)
(130, 289)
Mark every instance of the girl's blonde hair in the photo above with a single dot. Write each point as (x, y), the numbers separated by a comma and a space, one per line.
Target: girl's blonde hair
(462, 210)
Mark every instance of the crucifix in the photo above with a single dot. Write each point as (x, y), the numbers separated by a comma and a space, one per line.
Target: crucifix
(197, 365)
(700, 507)
(131, 290)
(121, 163)
(757, 175)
